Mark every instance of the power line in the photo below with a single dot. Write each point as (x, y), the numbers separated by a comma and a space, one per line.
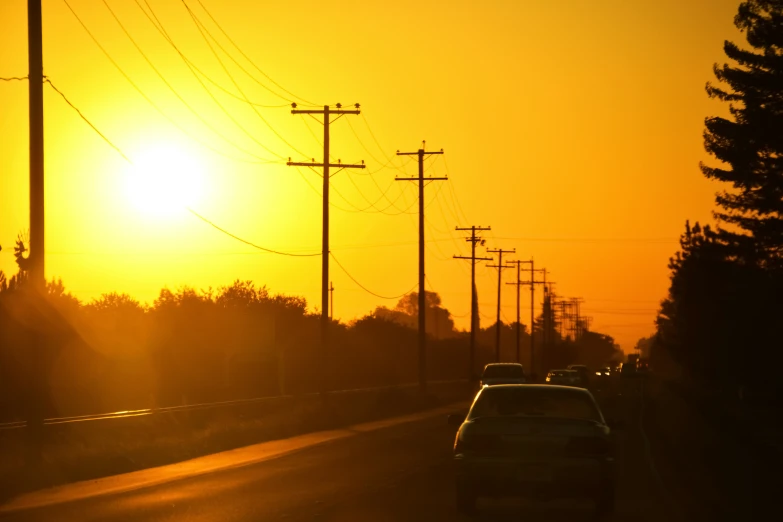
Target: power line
(88, 122)
(252, 62)
(389, 159)
(155, 21)
(12, 78)
(364, 287)
(455, 199)
(375, 139)
(373, 204)
(259, 159)
(592, 240)
(210, 223)
(179, 96)
(202, 29)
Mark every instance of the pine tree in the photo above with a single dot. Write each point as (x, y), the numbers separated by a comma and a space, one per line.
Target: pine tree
(750, 143)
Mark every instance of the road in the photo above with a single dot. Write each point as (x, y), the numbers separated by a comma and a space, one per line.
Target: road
(398, 473)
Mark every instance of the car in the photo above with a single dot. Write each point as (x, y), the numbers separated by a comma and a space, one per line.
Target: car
(628, 369)
(603, 372)
(563, 377)
(584, 374)
(503, 373)
(534, 441)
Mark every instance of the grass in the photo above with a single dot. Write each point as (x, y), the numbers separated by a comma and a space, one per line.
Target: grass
(89, 450)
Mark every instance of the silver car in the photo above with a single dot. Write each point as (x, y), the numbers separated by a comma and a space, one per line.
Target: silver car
(536, 441)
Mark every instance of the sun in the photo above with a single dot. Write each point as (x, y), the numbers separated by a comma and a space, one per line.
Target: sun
(164, 181)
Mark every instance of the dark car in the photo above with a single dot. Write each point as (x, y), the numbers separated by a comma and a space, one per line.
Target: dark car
(584, 374)
(503, 373)
(534, 441)
(628, 370)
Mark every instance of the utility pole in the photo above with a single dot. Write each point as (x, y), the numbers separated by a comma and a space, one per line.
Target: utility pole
(575, 303)
(563, 318)
(518, 284)
(327, 113)
(500, 267)
(37, 258)
(473, 239)
(331, 301)
(532, 284)
(422, 154)
(35, 86)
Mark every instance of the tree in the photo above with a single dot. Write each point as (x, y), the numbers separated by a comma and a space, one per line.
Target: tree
(644, 346)
(750, 143)
(439, 323)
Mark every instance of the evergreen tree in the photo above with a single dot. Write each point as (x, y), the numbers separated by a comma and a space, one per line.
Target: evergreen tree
(750, 142)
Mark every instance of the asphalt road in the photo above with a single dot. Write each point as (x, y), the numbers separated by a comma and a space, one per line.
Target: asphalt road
(399, 473)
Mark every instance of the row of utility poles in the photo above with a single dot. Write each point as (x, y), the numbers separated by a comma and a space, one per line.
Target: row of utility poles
(519, 283)
(328, 113)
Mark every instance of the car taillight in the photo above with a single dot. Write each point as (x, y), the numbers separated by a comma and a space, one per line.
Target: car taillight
(587, 447)
(475, 442)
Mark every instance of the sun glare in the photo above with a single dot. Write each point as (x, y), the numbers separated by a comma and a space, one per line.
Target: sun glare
(165, 180)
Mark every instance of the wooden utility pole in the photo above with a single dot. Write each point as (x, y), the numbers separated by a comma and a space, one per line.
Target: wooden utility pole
(473, 239)
(327, 113)
(35, 86)
(37, 257)
(422, 154)
(500, 266)
(518, 284)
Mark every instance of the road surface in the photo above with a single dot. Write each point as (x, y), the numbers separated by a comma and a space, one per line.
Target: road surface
(398, 473)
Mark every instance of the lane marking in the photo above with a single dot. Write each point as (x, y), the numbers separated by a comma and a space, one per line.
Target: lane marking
(235, 458)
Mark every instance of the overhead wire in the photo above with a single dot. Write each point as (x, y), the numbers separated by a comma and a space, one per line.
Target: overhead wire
(13, 78)
(87, 121)
(389, 159)
(179, 96)
(364, 287)
(319, 194)
(155, 21)
(455, 199)
(204, 33)
(258, 159)
(246, 57)
(259, 247)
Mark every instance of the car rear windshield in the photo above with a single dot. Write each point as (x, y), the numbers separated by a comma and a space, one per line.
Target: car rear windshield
(561, 373)
(503, 371)
(535, 402)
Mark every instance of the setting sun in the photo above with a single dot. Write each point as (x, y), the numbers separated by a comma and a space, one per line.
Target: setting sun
(165, 180)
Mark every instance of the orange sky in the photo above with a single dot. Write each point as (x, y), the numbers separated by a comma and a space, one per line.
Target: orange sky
(572, 127)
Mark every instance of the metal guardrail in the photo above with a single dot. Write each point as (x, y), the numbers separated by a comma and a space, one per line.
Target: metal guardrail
(204, 406)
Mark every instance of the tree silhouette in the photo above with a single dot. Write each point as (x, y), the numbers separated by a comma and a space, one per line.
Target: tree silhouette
(750, 143)
(439, 323)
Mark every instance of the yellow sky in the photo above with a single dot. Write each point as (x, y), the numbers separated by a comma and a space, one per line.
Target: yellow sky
(572, 127)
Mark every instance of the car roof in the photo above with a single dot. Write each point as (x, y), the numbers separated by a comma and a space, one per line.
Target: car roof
(542, 387)
(572, 366)
(504, 364)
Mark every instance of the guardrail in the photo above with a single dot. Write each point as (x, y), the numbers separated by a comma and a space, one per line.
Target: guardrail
(204, 406)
